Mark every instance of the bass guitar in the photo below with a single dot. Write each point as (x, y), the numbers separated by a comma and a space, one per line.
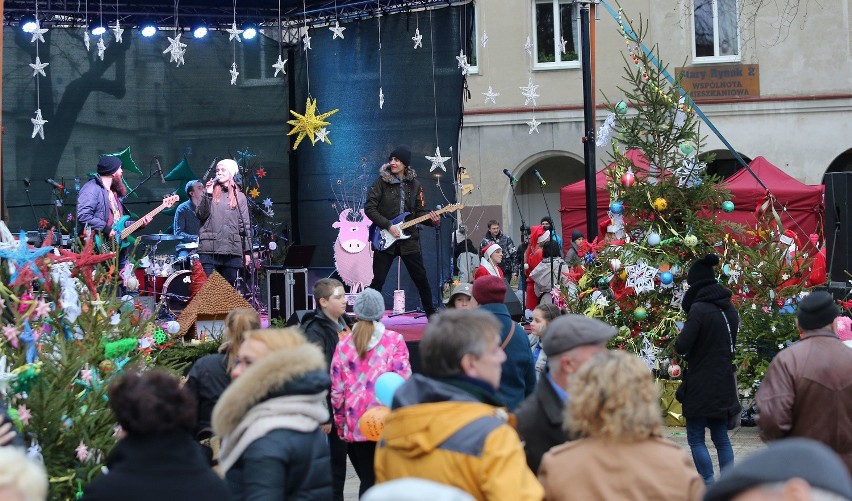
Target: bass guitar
(383, 239)
(123, 232)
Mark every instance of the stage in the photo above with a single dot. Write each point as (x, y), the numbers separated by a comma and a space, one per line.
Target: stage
(408, 325)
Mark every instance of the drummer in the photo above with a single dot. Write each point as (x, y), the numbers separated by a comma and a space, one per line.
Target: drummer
(187, 225)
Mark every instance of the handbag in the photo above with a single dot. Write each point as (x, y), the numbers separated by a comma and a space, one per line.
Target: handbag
(733, 412)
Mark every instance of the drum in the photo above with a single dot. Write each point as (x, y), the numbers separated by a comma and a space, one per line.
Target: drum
(184, 262)
(176, 290)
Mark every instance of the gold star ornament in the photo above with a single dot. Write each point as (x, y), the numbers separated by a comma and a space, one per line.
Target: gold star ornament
(309, 123)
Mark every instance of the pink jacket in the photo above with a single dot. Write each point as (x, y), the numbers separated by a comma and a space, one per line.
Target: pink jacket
(353, 379)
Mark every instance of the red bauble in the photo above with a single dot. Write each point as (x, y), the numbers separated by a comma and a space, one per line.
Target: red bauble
(674, 370)
(628, 179)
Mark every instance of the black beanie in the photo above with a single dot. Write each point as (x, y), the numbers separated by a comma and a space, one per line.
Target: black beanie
(403, 153)
(575, 235)
(108, 164)
(702, 269)
(816, 310)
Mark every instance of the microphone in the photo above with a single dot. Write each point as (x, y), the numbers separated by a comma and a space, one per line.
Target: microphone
(510, 176)
(212, 164)
(27, 182)
(160, 170)
(540, 179)
(54, 184)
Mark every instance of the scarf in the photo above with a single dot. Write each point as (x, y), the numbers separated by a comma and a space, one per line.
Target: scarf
(489, 265)
(231, 188)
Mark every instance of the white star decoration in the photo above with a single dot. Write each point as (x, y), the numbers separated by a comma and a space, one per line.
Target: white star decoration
(528, 46)
(418, 38)
(381, 99)
(530, 92)
(689, 172)
(490, 95)
(38, 67)
(267, 202)
(677, 296)
(463, 64)
(233, 32)
(649, 352)
(86, 40)
(437, 160)
(322, 135)
(118, 31)
(640, 277)
(306, 40)
(234, 73)
(484, 39)
(101, 48)
(562, 44)
(38, 124)
(279, 66)
(337, 30)
(734, 273)
(38, 33)
(534, 125)
(175, 50)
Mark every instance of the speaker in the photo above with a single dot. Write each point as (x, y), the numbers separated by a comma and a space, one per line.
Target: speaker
(838, 225)
(516, 309)
(296, 317)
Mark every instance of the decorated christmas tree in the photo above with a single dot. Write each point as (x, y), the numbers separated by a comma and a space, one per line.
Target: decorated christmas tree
(666, 211)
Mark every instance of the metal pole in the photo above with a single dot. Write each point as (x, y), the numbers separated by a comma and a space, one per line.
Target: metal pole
(588, 121)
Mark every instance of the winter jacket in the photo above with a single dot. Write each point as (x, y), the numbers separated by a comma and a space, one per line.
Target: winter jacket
(508, 265)
(389, 197)
(549, 273)
(93, 207)
(269, 418)
(486, 268)
(653, 469)
(220, 225)
(440, 432)
(540, 422)
(710, 391)
(518, 377)
(165, 467)
(207, 379)
(353, 379)
(572, 257)
(324, 332)
(807, 392)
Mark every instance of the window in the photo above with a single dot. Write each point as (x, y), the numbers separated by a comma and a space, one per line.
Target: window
(557, 39)
(716, 30)
(472, 49)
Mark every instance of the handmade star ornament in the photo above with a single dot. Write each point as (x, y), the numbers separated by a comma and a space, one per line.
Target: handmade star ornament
(280, 66)
(484, 39)
(38, 33)
(234, 32)
(82, 452)
(306, 40)
(22, 257)
(491, 95)
(175, 49)
(530, 92)
(309, 123)
(245, 156)
(689, 172)
(85, 262)
(11, 332)
(533, 124)
(437, 160)
(337, 30)
(101, 48)
(322, 135)
(118, 31)
(381, 98)
(418, 38)
(267, 202)
(38, 67)
(464, 66)
(234, 73)
(528, 46)
(562, 45)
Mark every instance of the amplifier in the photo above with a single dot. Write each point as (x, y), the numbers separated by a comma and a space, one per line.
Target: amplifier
(287, 291)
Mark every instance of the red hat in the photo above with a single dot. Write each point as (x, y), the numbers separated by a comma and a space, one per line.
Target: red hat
(488, 249)
(489, 289)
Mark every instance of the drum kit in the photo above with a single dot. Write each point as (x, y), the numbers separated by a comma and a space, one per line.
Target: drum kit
(167, 277)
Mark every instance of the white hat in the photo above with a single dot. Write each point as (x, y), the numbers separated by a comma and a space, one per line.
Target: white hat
(544, 237)
(229, 164)
(491, 249)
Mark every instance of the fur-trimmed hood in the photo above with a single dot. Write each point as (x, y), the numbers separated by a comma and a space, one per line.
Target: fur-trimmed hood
(297, 371)
(388, 177)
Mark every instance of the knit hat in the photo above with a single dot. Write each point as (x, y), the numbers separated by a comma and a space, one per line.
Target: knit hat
(570, 331)
(702, 269)
(575, 235)
(490, 249)
(403, 153)
(816, 310)
(463, 289)
(783, 460)
(230, 165)
(489, 289)
(108, 164)
(369, 305)
(544, 237)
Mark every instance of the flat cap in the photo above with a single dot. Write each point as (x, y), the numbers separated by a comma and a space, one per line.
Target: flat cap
(570, 331)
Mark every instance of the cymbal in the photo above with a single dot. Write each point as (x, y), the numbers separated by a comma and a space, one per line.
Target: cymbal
(160, 237)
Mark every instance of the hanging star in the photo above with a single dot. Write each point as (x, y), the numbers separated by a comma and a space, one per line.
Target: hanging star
(234, 73)
(534, 125)
(306, 40)
(38, 33)
(337, 30)
(42, 309)
(322, 135)
(261, 173)
(245, 156)
(464, 66)
(23, 257)
(84, 262)
(418, 38)
(86, 40)
(689, 172)
(101, 48)
(82, 452)
(562, 44)
(381, 99)
(267, 202)
(640, 277)
(24, 415)
(118, 31)
(175, 49)
(530, 92)
(254, 192)
(233, 33)
(484, 39)
(38, 67)
(307, 124)
(528, 46)
(490, 95)
(280, 66)
(437, 160)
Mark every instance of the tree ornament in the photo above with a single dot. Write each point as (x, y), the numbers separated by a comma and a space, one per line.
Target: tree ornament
(653, 239)
(107, 366)
(688, 149)
(603, 283)
(690, 241)
(660, 204)
(614, 264)
(309, 123)
(628, 179)
(616, 207)
(674, 371)
(621, 108)
(666, 278)
(728, 206)
(640, 313)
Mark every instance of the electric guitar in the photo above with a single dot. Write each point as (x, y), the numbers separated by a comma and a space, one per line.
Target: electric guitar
(122, 232)
(382, 239)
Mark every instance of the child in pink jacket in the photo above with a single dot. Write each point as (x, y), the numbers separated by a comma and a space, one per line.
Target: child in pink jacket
(360, 358)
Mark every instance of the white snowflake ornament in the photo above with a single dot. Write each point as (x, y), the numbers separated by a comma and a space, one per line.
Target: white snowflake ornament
(640, 276)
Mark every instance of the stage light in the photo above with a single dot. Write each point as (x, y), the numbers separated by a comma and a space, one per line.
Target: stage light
(250, 31)
(97, 28)
(199, 30)
(149, 28)
(28, 23)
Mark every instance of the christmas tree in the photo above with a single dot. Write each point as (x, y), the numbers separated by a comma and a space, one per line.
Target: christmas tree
(664, 213)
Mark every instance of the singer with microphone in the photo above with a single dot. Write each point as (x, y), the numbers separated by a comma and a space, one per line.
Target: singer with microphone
(186, 224)
(224, 239)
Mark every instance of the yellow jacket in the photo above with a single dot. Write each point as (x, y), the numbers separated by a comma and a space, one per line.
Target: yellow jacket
(441, 433)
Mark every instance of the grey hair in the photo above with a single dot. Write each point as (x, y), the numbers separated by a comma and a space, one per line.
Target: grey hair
(451, 335)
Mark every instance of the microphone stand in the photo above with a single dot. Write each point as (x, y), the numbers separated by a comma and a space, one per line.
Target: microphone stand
(552, 229)
(133, 190)
(523, 224)
(29, 200)
(245, 237)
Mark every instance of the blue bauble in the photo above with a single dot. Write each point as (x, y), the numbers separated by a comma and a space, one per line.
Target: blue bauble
(728, 206)
(616, 207)
(654, 239)
(666, 278)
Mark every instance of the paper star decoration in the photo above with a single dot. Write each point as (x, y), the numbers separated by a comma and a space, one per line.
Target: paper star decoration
(640, 277)
(484, 39)
(337, 30)
(86, 40)
(38, 33)
(82, 452)
(267, 202)
(649, 353)
(118, 31)
(175, 50)
(233, 33)
(101, 48)
(463, 64)
(280, 66)
(23, 257)
(528, 46)
(677, 297)
(490, 95)
(24, 414)
(234, 73)
(322, 135)
(689, 172)
(245, 155)
(530, 92)
(254, 193)
(42, 309)
(34, 451)
(418, 38)
(10, 332)
(381, 99)
(534, 125)
(562, 44)
(261, 173)
(306, 40)
(38, 67)
(437, 160)
(309, 123)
